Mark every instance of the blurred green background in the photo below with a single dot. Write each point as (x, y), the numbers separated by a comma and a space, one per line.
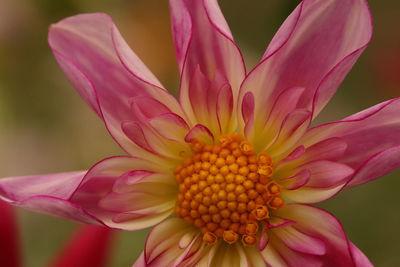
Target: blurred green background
(46, 127)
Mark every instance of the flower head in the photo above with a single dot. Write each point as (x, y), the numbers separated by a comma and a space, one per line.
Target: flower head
(224, 173)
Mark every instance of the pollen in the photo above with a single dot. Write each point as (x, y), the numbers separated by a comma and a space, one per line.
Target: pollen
(227, 190)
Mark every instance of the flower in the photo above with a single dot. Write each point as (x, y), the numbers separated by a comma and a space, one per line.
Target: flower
(89, 246)
(227, 173)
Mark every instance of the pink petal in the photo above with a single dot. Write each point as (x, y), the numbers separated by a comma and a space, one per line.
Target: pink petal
(372, 139)
(141, 261)
(162, 244)
(200, 133)
(201, 32)
(319, 176)
(326, 174)
(296, 181)
(328, 149)
(297, 55)
(276, 222)
(126, 182)
(311, 195)
(317, 224)
(271, 223)
(206, 53)
(9, 241)
(235, 255)
(248, 115)
(376, 166)
(76, 195)
(95, 193)
(224, 109)
(300, 242)
(89, 246)
(142, 132)
(135, 132)
(295, 154)
(170, 126)
(278, 254)
(268, 124)
(359, 258)
(48, 194)
(104, 70)
(263, 242)
(60, 185)
(141, 196)
(292, 129)
(145, 137)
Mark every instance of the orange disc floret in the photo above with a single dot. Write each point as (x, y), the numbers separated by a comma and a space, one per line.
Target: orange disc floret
(225, 189)
(276, 202)
(209, 238)
(230, 236)
(251, 228)
(260, 212)
(249, 240)
(273, 188)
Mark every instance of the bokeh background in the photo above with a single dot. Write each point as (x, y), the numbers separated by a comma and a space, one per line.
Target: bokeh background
(45, 126)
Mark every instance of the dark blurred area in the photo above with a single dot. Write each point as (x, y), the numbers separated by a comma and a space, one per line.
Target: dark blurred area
(46, 127)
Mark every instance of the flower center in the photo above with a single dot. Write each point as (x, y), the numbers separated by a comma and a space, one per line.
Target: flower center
(225, 190)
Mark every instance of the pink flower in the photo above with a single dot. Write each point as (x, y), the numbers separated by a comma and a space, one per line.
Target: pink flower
(90, 245)
(226, 173)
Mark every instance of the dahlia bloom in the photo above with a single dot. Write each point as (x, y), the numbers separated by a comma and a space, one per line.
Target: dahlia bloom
(226, 174)
(89, 246)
